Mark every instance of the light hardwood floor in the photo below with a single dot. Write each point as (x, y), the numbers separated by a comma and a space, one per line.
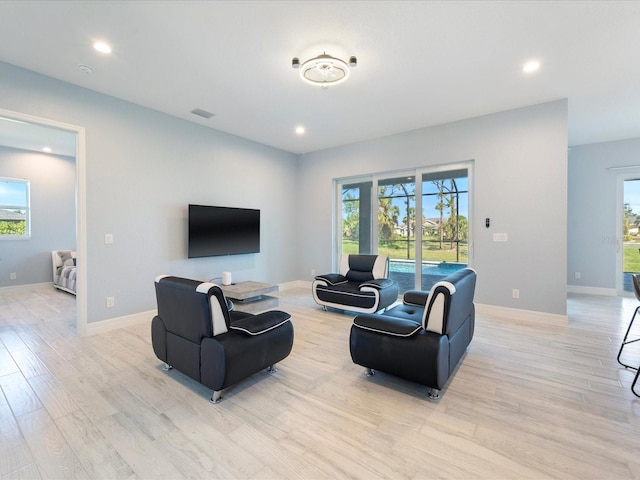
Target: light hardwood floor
(526, 402)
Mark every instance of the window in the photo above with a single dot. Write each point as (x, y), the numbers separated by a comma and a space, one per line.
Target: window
(419, 218)
(356, 218)
(14, 208)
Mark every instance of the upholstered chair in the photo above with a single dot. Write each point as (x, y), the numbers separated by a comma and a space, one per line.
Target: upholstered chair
(361, 285)
(196, 333)
(424, 338)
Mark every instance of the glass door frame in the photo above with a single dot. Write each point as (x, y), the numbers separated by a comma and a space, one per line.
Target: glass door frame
(619, 237)
(375, 178)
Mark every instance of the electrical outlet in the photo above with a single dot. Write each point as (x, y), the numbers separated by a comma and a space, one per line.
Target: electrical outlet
(313, 272)
(111, 301)
(578, 275)
(515, 293)
(108, 238)
(13, 275)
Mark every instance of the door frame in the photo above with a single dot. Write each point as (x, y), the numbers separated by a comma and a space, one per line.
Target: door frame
(417, 173)
(81, 202)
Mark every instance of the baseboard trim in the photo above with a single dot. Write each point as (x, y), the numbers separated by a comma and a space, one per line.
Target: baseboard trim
(609, 292)
(28, 286)
(120, 322)
(515, 314)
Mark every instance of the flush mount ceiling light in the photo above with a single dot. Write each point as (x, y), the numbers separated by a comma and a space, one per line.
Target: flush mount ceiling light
(324, 70)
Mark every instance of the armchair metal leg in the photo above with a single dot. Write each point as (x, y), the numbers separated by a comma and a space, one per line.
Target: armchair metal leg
(272, 369)
(368, 372)
(627, 342)
(433, 394)
(167, 367)
(216, 397)
(633, 385)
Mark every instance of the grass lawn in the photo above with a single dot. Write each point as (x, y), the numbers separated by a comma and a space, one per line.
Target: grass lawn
(632, 257)
(431, 252)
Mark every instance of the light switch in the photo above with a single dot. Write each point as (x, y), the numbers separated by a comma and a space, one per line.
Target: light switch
(108, 238)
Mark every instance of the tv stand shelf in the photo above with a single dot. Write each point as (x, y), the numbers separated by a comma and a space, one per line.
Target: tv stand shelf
(251, 297)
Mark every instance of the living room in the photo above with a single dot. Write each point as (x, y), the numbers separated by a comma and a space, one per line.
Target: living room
(129, 153)
(138, 168)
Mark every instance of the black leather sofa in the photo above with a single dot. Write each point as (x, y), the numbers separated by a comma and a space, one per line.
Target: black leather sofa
(422, 340)
(197, 333)
(361, 285)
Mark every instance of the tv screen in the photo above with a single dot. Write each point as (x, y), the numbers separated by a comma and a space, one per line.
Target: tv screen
(217, 231)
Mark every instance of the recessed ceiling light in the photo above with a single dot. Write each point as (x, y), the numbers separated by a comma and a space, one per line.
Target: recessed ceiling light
(47, 149)
(300, 130)
(531, 66)
(102, 47)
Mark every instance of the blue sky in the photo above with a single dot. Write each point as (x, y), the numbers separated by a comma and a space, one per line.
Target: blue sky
(13, 193)
(632, 194)
(429, 202)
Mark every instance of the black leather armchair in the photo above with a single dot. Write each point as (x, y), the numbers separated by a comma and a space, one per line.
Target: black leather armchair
(361, 285)
(196, 333)
(422, 340)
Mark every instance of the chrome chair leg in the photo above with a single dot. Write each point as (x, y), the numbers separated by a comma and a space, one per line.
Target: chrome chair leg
(216, 397)
(272, 369)
(167, 367)
(368, 372)
(433, 394)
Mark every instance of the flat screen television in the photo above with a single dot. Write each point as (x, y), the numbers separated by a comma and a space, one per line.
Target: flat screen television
(217, 231)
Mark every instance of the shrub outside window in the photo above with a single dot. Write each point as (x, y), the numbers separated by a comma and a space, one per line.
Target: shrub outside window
(14, 208)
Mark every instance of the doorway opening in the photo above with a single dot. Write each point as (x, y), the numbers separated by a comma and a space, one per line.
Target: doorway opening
(630, 232)
(80, 203)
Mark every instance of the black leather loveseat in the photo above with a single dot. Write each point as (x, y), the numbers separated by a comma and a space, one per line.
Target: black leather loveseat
(422, 340)
(196, 333)
(361, 285)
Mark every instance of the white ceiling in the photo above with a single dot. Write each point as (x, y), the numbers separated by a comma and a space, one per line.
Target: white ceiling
(419, 63)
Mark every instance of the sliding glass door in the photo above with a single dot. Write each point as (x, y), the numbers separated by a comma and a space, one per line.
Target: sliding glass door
(397, 227)
(422, 226)
(356, 218)
(445, 224)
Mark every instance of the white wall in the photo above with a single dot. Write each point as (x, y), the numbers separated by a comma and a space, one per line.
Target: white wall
(53, 215)
(593, 236)
(520, 182)
(143, 168)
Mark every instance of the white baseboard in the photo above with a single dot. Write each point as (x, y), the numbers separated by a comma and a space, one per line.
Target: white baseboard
(120, 322)
(29, 286)
(609, 292)
(515, 314)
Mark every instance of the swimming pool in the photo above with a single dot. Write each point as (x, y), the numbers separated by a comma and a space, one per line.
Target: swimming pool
(429, 268)
(403, 272)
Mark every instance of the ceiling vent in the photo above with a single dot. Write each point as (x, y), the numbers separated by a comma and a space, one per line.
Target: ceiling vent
(202, 113)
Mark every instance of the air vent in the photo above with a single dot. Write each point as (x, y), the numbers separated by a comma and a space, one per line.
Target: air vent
(202, 113)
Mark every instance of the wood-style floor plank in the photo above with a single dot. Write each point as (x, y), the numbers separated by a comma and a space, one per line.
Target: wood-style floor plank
(52, 453)
(528, 401)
